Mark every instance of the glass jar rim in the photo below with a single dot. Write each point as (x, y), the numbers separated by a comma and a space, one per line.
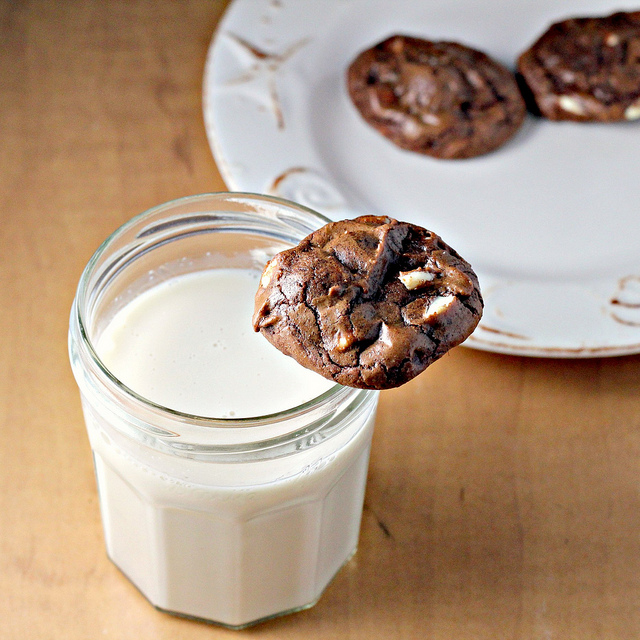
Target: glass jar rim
(335, 394)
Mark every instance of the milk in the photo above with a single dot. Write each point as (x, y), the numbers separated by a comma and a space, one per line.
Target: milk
(232, 539)
(188, 344)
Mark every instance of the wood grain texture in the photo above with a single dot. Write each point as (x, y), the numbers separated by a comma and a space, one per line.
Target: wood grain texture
(504, 493)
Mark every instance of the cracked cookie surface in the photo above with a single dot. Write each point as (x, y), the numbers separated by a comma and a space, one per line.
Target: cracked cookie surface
(585, 69)
(442, 99)
(369, 302)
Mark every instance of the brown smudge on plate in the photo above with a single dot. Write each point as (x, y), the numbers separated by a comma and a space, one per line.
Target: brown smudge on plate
(268, 63)
(626, 299)
(277, 181)
(502, 332)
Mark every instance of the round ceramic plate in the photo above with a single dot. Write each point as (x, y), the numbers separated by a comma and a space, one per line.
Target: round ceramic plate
(550, 221)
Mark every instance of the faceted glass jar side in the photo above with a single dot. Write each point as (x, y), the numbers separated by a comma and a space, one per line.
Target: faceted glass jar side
(231, 521)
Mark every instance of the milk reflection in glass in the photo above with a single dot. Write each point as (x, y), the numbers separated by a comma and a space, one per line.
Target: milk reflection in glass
(211, 525)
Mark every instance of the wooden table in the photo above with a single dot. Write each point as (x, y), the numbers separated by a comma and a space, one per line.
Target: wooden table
(504, 493)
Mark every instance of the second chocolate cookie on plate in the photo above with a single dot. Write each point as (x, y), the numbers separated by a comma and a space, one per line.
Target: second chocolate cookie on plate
(442, 99)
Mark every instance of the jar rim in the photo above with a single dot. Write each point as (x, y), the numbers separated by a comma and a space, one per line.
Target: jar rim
(334, 394)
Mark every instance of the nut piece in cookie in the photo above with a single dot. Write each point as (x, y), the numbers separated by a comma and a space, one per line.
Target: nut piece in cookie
(369, 302)
(442, 99)
(585, 69)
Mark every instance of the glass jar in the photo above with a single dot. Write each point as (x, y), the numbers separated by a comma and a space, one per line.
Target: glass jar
(227, 520)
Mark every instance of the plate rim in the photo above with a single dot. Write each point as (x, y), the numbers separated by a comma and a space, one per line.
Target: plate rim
(480, 339)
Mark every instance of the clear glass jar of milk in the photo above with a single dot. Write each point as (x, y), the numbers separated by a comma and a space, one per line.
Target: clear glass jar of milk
(231, 479)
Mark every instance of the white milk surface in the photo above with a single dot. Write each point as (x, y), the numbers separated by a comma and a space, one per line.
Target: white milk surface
(188, 345)
(231, 542)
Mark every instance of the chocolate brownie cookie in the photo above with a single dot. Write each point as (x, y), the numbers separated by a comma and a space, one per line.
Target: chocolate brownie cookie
(586, 69)
(369, 303)
(442, 99)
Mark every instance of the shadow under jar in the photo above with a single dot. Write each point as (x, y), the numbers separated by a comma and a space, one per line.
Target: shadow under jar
(227, 518)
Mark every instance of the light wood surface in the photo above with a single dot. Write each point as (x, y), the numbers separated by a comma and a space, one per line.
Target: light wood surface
(504, 493)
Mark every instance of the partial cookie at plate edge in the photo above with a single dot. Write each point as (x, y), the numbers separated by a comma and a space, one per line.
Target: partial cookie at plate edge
(585, 69)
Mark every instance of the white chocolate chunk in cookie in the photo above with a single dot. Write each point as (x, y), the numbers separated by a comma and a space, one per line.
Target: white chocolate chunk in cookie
(416, 278)
(439, 305)
(571, 105)
(612, 40)
(632, 112)
(267, 273)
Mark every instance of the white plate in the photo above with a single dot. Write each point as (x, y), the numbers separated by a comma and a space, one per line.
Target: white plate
(550, 222)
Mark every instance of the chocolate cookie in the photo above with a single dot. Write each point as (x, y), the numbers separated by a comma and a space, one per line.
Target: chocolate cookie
(442, 99)
(369, 303)
(586, 69)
